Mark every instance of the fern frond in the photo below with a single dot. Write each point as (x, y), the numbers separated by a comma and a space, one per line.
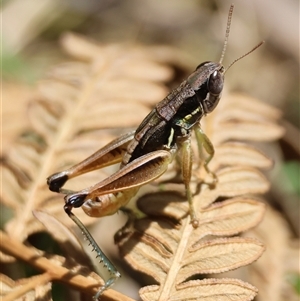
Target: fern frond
(173, 255)
(81, 106)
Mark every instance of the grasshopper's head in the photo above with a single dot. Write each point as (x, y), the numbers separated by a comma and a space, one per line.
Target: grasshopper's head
(207, 81)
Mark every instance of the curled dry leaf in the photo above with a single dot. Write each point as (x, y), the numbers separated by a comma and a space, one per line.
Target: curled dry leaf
(80, 107)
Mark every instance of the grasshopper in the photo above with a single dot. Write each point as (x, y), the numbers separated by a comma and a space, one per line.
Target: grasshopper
(145, 153)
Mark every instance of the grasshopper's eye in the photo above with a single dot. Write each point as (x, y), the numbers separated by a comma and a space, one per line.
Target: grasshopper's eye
(214, 89)
(215, 83)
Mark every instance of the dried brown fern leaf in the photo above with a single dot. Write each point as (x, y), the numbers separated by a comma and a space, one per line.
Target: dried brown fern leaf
(84, 104)
(34, 288)
(13, 110)
(174, 254)
(57, 268)
(273, 272)
(80, 106)
(77, 101)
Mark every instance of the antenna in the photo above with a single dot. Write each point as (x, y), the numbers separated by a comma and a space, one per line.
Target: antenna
(254, 48)
(227, 32)
(226, 41)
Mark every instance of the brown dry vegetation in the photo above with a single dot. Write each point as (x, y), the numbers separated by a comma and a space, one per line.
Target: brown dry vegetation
(103, 89)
